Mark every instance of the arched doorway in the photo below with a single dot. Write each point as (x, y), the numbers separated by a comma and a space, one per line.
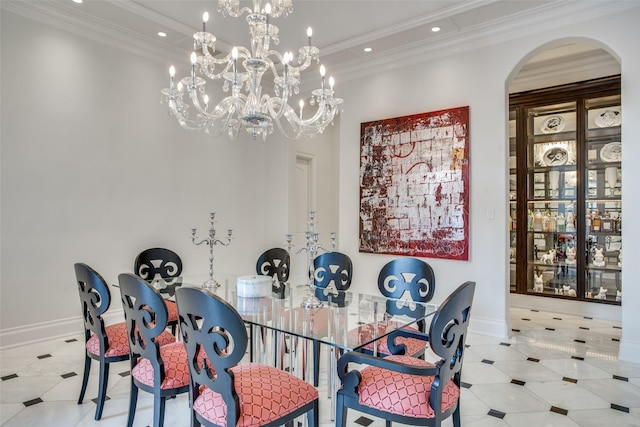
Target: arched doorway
(561, 62)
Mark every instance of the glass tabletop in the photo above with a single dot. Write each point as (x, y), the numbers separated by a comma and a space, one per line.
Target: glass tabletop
(346, 320)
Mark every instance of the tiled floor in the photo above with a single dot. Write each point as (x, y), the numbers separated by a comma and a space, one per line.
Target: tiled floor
(556, 370)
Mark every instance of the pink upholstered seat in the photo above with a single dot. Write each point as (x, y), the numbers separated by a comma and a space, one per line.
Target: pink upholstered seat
(365, 333)
(400, 393)
(225, 392)
(176, 371)
(119, 342)
(172, 309)
(155, 368)
(278, 394)
(406, 389)
(105, 344)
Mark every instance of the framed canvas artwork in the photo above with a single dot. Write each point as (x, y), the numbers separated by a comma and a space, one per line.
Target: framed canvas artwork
(414, 185)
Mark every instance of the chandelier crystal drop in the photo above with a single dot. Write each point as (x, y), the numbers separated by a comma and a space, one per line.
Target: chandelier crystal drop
(248, 105)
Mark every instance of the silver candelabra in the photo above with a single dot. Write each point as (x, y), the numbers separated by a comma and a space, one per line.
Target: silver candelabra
(312, 247)
(211, 242)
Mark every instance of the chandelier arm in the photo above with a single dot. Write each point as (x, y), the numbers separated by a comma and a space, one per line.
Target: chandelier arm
(226, 8)
(250, 105)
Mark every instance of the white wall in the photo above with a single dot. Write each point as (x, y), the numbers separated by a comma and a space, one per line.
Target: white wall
(94, 170)
(479, 78)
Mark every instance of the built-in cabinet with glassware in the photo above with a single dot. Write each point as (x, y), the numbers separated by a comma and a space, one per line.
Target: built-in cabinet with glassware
(565, 193)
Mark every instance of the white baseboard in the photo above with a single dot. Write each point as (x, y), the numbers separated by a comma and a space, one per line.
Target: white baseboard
(61, 328)
(565, 306)
(629, 351)
(489, 327)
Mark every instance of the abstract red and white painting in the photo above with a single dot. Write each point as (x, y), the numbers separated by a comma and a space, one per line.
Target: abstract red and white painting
(414, 185)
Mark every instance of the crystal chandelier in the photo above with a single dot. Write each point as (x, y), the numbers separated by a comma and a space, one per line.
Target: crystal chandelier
(247, 105)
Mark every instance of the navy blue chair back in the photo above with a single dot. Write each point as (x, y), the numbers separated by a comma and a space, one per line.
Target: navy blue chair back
(332, 273)
(407, 278)
(272, 262)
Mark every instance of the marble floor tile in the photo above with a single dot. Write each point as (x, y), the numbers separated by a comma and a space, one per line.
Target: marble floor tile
(539, 419)
(555, 370)
(604, 417)
(576, 369)
(567, 395)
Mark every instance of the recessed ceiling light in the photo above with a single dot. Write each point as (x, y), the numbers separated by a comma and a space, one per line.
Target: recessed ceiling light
(435, 29)
(77, 1)
(367, 49)
(160, 33)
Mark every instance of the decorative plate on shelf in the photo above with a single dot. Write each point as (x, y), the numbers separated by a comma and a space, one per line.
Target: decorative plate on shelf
(554, 156)
(552, 124)
(609, 117)
(612, 152)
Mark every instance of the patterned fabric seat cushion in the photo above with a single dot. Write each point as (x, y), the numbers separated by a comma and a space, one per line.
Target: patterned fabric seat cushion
(365, 332)
(117, 338)
(403, 394)
(119, 342)
(172, 309)
(176, 369)
(265, 394)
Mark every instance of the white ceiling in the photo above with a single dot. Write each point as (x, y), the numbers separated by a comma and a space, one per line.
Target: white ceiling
(398, 31)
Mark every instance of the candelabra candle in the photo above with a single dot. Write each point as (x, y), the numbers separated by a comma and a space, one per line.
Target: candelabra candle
(211, 283)
(311, 248)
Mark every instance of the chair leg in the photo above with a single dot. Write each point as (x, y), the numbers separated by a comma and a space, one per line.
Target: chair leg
(388, 423)
(313, 416)
(133, 400)
(251, 343)
(85, 378)
(102, 388)
(316, 362)
(158, 410)
(341, 411)
(456, 415)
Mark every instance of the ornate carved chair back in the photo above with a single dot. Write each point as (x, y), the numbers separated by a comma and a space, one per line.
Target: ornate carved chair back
(409, 279)
(274, 261)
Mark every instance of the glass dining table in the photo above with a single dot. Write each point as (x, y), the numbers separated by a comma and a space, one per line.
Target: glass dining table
(343, 320)
(332, 323)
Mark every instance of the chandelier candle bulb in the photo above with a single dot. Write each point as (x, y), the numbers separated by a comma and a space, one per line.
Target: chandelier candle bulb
(322, 73)
(249, 105)
(267, 11)
(205, 19)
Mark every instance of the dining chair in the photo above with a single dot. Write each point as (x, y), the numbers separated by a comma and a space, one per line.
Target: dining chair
(407, 389)
(104, 343)
(332, 274)
(274, 262)
(407, 281)
(157, 367)
(224, 392)
(162, 263)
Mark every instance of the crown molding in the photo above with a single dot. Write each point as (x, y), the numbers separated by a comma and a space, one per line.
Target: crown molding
(541, 20)
(547, 16)
(67, 18)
